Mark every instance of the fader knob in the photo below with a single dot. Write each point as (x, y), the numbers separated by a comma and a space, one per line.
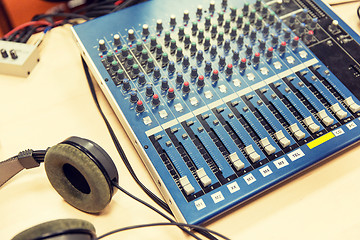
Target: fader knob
(145, 30)
(149, 90)
(124, 51)
(256, 59)
(171, 67)
(212, 7)
(207, 22)
(235, 56)
(199, 11)
(186, 62)
(274, 39)
(135, 69)
(150, 64)
(139, 46)
(126, 85)
(171, 94)
(164, 84)
(179, 78)
(114, 65)
(186, 16)
(213, 50)
(265, 30)
(248, 50)
(186, 87)
(159, 26)
(200, 56)
(282, 48)
(208, 67)
(131, 35)
(156, 73)
(172, 20)
(295, 42)
(155, 101)
(227, 45)
(246, 8)
(120, 75)
(141, 79)
(200, 82)
(242, 65)
(109, 56)
(117, 41)
(229, 69)
(133, 96)
(269, 53)
(194, 72)
(167, 37)
(102, 46)
(287, 34)
(164, 59)
(240, 40)
(215, 76)
(222, 61)
(140, 106)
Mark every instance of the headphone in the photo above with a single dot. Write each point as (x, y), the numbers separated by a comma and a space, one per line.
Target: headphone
(82, 173)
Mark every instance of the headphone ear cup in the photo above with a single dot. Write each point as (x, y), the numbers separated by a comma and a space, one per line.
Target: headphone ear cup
(54, 227)
(77, 178)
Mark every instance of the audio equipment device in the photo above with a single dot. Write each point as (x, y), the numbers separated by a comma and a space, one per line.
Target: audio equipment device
(226, 99)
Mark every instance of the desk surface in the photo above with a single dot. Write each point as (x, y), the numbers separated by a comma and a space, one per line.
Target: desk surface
(54, 102)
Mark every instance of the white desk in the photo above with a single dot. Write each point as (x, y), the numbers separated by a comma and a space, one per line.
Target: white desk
(55, 103)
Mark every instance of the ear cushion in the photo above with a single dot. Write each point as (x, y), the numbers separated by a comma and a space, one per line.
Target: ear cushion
(77, 178)
(52, 227)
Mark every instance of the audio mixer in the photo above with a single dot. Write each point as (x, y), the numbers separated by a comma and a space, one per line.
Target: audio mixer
(226, 99)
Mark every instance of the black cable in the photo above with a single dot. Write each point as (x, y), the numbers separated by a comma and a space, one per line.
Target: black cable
(66, 15)
(124, 5)
(153, 208)
(121, 152)
(358, 12)
(155, 198)
(163, 224)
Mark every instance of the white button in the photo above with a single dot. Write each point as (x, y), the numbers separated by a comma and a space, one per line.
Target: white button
(294, 127)
(250, 76)
(237, 82)
(254, 157)
(189, 189)
(284, 142)
(335, 107)
(249, 149)
(178, 107)
(238, 165)
(303, 54)
(314, 128)
(264, 142)
(270, 149)
(194, 101)
(290, 59)
(147, 120)
(354, 107)
(348, 101)
(234, 157)
(163, 113)
(205, 181)
(277, 65)
(223, 88)
(341, 114)
(279, 135)
(322, 114)
(264, 71)
(328, 121)
(308, 121)
(299, 135)
(208, 94)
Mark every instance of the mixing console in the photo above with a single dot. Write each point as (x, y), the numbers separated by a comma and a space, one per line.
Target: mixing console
(224, 100)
